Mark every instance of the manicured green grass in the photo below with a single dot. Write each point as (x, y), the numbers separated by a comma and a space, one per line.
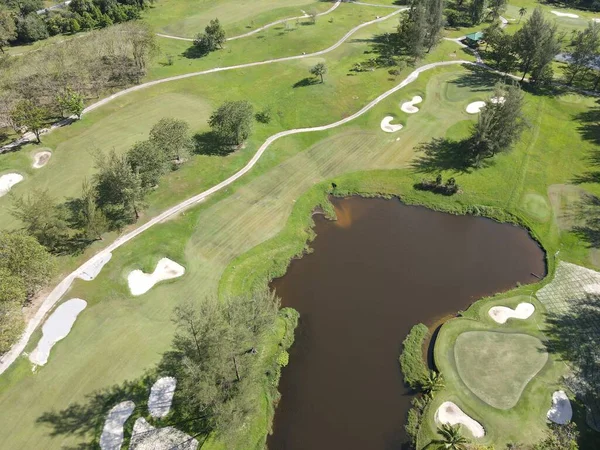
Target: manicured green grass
(497, 366)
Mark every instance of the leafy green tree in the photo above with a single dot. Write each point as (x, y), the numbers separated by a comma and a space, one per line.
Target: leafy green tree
(23, 256)
(318, 70)
(31, 28)
(212, 38)
(12, 287)
(536, 44)
(71, 102)
(434, 23)
(560, 437)
(502, 51)
(8, 28)
(412, 29)
(232, 122)
(91, 218)
(497, 7)
(500, 123)
(476, 10)
(217, 344)
(27, 114)
(43, 219)
(119, 190)
(172, 138)
(147, 159)
(451, 438)
(433, 382)
(584, 54)
(11, 324)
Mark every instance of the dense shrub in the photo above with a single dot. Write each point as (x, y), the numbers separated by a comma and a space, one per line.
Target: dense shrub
(413, 366)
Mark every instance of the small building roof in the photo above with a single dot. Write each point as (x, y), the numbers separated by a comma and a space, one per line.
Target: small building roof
(477, 36)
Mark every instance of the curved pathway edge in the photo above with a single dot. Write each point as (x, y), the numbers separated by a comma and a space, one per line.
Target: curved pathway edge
(65, 284)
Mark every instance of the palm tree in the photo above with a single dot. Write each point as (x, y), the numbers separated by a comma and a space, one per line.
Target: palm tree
(432, 383)
(452, 439)
(522, 12)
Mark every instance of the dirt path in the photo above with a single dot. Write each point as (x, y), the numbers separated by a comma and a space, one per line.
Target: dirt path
(65, 284)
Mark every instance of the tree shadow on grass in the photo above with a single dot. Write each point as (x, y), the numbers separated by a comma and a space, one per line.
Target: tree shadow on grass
(304, 82)
(574, 336)
(208, 143)
(443, 154)
(589, 126)
(587, 217)
(194, 52)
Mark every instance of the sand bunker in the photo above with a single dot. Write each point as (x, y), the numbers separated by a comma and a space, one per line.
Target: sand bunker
(94, 269)
(449, 413)
(409, 107)
(388, 127)
(161, 396)
(561, 14)
(57, 327)
(561, 411)
(140, 282)
(40, 159)
(146, 437)
(595, 19)
(475, 107)
(112, 433)
(502, 313)
(8, 181)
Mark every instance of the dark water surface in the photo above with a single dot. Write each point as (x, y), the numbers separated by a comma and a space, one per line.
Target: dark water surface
(377, 271)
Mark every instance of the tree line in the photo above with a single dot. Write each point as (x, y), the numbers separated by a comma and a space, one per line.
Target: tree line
(25, 21)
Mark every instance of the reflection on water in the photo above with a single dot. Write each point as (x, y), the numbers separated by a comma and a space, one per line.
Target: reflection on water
(382, 268)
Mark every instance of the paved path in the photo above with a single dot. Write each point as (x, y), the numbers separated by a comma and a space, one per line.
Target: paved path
(258, 30)
(30, 137)
(65, 284)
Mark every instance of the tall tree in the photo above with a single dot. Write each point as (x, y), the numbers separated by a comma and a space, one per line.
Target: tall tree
(318, 70)
(43, 219)
(11, 324)
(412, 29)
(522, 12)
(536, 44)
(24, 257)
(497, 7)
(149, 161)
(232, 122)
(8, 28)
(476, 10)
(584, 54)
(91, 218)
(31, 116)
(500, 123)
(434, 22)
(212, 38)
(118, 188)
(12, 287)
(172, 138)
(502, 51)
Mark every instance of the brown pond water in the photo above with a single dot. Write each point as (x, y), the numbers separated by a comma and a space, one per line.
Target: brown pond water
(377, 271)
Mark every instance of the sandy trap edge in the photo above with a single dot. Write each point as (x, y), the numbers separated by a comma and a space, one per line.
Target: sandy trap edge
(57, 327)
(166, 269)
(161, 396)
(387, 126)
(7, 181)
(409, 107)
(561, 411)
(451, 414)
(112, 432)
(501, 314)
(40, 159)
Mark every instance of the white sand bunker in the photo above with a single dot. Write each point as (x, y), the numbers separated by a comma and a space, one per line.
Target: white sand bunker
(475, 107)
(502, 313)
(8, 181)
(112, 433)
(146, 437)
(451, 414)
(409, 107)
(561, 411)
(140, 282)
(91, 272)
(40, 159)
(161, 396)
(57, 327)
(388, 127)
(561, 14)
(595, 19)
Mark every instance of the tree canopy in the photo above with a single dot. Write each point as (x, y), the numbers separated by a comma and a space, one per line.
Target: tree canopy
(232, 122)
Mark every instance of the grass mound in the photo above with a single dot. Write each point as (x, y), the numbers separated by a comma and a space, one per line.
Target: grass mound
(536, 206)
(496, 367)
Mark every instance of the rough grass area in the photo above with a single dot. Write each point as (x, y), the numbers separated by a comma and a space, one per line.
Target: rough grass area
(497, 366)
